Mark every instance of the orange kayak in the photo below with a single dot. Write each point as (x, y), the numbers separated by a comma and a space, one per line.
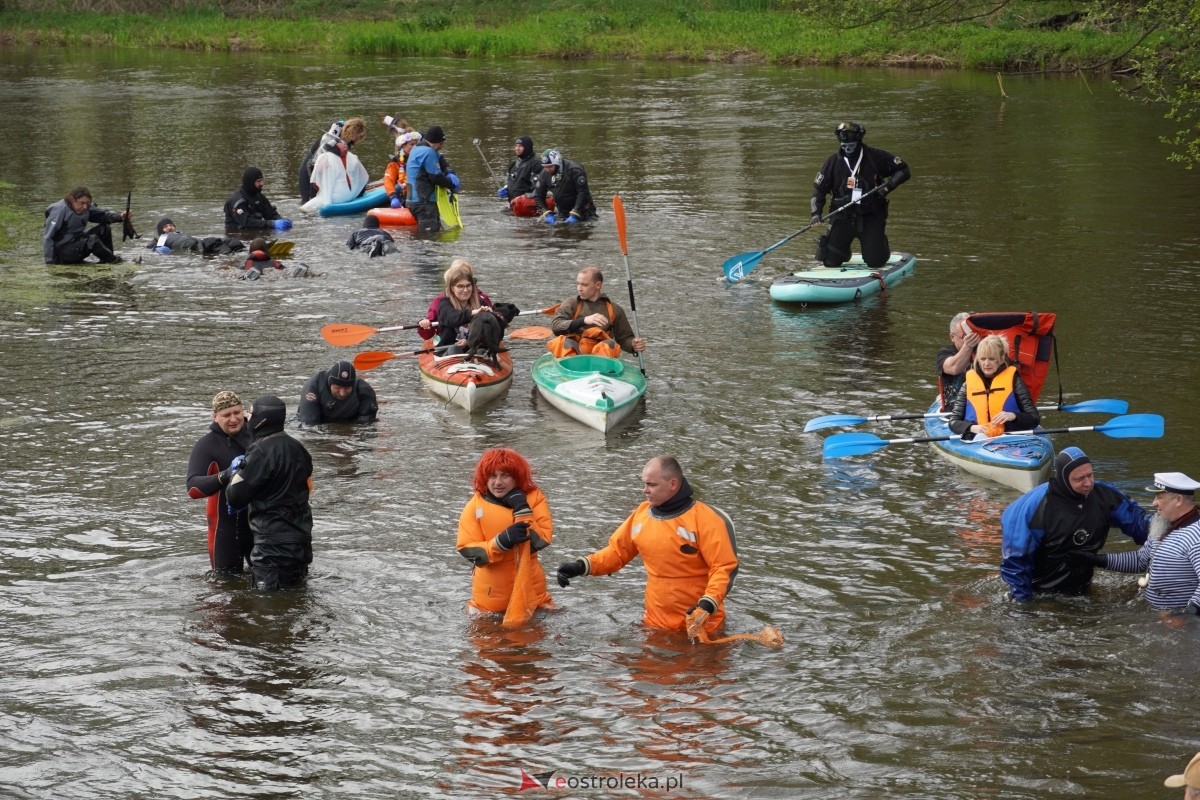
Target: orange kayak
(472, 384)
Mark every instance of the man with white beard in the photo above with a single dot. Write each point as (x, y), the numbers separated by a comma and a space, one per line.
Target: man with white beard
(1172, 550)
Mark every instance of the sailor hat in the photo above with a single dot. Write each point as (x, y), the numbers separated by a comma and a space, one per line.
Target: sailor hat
(1173, 482)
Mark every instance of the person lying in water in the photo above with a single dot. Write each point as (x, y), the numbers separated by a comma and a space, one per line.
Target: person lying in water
(169, 239)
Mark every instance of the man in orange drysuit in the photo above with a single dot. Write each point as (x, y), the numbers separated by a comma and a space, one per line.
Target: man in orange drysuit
(688, 548)
(591, 323)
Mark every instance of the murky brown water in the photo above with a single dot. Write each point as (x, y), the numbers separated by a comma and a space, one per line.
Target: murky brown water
(128, 674)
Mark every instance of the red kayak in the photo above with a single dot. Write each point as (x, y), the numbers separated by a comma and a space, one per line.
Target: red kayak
(393, 217)
(526, 206)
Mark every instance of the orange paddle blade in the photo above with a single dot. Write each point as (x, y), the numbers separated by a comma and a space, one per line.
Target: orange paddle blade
(550, 309)
(535, 332)
(372, 359)
(524, 598)
(619, 212)
(347, 334)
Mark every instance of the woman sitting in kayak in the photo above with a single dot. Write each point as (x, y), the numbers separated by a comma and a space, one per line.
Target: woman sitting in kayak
(506, 511)
(456, 307)
(994, 399)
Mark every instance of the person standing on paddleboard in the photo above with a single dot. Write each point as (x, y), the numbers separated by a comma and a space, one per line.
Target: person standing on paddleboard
(849, 174)
(215, 458)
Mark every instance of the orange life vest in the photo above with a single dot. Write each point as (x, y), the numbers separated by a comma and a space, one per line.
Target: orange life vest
(985, 402)
(592, 340)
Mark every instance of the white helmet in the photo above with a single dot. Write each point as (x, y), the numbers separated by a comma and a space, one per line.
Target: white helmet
(552, 158)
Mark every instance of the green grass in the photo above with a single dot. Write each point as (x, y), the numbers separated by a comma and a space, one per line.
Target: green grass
(717, 30)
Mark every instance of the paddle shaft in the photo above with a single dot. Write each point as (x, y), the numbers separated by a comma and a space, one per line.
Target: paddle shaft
(619, 212)
(746, 262)
(1147, 426)
(347, 334)
(1103, 406)
(485, 161)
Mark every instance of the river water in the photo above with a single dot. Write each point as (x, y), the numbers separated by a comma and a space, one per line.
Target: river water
(129, 673)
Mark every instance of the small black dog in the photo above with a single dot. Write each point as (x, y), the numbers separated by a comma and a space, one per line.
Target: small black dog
(484, 335)
(487, 331)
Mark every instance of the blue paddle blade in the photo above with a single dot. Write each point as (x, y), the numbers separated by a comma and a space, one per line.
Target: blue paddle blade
(1134, 426)
(740, 266)
(832, 421)
(1102, 406)
(841, 445)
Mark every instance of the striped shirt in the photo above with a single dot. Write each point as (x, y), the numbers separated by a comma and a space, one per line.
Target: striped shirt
(1174, 564)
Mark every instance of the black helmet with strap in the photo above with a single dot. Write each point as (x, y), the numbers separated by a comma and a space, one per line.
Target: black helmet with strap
(850, 132)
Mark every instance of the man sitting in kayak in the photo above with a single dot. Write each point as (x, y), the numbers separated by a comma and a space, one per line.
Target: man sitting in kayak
(994, 399)
(590, 323)
(954, 359)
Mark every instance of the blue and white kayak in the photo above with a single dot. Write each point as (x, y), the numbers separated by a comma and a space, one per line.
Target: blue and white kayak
(851, 281)
(1021, 462)
(373, 198)
(598, 391)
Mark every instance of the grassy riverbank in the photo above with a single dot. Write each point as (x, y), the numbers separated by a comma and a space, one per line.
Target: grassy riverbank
(771, 31)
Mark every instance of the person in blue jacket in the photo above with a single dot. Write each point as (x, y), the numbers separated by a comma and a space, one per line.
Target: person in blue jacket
(1048, 528)
(426, 170)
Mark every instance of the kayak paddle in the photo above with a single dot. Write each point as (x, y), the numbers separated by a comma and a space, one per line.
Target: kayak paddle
(742, 265)
(619, 212)
(348, 334)
(1131, 426)
(1101, 406)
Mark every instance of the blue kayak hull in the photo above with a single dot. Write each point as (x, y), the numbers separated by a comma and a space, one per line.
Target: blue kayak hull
(374, 198)
(851, 281)
(1021, 462)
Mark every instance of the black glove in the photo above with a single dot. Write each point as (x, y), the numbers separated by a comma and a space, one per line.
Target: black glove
(884, 189)
(1093, 559)
(816, 219)
(513, 535)
(517, 501)
(706, 604)
(570, 569)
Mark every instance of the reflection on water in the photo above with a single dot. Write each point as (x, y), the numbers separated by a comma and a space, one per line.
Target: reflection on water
(905, 673)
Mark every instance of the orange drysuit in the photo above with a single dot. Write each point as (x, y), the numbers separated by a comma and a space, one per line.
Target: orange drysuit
(574, 337)
(687, 557)
(395, 179)
(479, 524)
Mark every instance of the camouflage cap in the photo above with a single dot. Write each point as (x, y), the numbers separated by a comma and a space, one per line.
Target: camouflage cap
(224, 400)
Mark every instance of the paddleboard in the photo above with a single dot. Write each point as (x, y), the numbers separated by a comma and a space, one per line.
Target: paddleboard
(851, 281)
(367, 200)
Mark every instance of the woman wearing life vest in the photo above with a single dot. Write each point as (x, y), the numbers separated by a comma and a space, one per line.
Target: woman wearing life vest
(395, 179)
(994, 399)
(507, 519)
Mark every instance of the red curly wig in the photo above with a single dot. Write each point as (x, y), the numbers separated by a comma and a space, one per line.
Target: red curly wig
(501, 459)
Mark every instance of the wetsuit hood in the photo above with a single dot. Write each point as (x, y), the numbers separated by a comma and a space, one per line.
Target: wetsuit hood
(1066, 462)
(267, 416)
(680, 502)
(527, 142)
(249, 177)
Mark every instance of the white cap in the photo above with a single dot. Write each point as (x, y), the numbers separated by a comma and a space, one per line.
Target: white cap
(405, 138)
(1173, 482)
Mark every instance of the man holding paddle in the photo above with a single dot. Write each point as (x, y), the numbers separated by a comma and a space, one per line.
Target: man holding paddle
(1047, 529)
(591, 323)
(850, 175)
